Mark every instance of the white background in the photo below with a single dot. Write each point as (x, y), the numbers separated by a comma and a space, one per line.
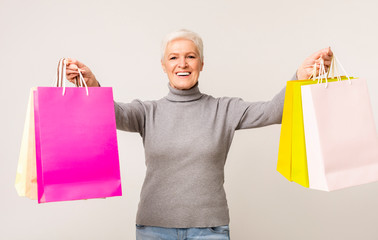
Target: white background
(251, 49)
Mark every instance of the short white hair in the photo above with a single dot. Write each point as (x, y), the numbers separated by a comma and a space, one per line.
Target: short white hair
(182, 34)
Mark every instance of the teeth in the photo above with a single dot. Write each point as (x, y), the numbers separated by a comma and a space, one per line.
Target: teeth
(183, 74)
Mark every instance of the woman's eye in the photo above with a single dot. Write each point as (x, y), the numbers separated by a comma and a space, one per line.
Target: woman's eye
(172, 58)
(191, 56)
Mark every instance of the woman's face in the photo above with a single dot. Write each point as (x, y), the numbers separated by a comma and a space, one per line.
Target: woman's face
(182, 63)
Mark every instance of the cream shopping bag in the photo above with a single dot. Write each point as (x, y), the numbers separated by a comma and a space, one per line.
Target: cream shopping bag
(26, 176)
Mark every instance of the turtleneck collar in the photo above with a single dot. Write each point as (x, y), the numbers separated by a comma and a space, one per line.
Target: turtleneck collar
(177, 95)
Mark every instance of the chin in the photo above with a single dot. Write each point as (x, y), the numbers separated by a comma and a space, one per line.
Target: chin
(183, 85)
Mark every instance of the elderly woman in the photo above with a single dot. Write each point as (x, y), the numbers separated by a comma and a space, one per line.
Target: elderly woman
(186, 136)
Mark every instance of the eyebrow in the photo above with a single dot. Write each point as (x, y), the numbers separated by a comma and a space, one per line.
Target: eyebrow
(174, 53)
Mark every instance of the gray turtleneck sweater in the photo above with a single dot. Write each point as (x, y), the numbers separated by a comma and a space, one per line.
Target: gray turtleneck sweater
(187, 136)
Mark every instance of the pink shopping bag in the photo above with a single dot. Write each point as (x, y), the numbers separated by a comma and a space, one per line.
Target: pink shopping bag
(341, 138)
(76, 144)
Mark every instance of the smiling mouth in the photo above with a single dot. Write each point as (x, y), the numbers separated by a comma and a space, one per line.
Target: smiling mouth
(183, 74)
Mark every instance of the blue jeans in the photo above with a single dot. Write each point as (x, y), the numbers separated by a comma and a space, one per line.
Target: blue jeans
(159, 233)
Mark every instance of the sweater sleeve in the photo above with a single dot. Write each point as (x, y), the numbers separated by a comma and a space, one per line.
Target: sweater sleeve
(244, 115)
(130, 116)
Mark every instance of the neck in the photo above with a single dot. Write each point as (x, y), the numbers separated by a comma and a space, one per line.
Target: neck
(177, 95)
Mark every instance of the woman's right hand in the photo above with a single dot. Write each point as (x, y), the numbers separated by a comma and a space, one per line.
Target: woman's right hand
(72, 73)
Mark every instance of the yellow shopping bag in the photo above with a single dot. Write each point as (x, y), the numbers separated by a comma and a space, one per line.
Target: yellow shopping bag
(26, 176)
(284, 151)
(292, 150)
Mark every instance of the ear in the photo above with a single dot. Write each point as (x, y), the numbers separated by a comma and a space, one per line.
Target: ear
(201, 66)
(163, 66)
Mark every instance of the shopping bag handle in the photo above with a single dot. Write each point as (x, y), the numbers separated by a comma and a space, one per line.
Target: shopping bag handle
(59, 73)
(333, 68)
(336, 62)
(62, 77)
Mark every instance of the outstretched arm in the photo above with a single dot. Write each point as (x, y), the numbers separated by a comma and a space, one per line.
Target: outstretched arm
(258, 114)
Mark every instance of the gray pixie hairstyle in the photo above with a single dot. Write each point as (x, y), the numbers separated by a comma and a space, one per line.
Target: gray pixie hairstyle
(183, 34)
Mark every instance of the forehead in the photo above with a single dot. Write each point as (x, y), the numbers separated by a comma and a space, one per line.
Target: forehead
(180, 46)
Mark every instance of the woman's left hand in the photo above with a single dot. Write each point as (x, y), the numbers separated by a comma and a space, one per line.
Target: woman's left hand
(307, 68)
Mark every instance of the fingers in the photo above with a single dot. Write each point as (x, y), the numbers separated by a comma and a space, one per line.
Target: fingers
(326, 63)
(73, 66)
(72, 72)
(323, 56)
(327, 54)
(326, 66)
(327, 51)
(76, 71)
(72, 61)
(72, 77)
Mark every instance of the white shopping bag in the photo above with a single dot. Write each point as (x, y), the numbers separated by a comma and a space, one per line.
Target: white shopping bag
(341, 137)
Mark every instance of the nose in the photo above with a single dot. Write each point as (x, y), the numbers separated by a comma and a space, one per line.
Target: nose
(182, 63)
